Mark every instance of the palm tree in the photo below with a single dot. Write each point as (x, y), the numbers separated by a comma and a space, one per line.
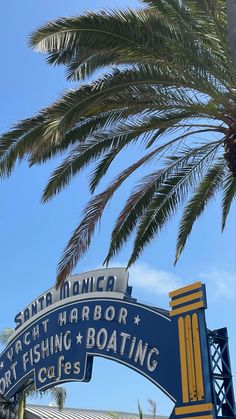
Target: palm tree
(231, 19)
(153, 409)
(57, 393)
(166, 83)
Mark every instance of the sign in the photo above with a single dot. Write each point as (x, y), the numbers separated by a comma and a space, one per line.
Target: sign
(100, 280)
(59, 342)
(60, 346)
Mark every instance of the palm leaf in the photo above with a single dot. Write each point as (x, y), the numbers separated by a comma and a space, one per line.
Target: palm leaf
(229, 192)
(206, 190)
(16, 144)
(123, 135)
(57, 393)
(81, 237)
(5, 335)
(102, 167)
(140, 412)
(169, 196)
(166, 76)
(53, 129)
(73, 41)
(43, 151)
(140, 200)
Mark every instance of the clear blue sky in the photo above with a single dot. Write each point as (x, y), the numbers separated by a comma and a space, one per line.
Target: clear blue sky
(33, 235)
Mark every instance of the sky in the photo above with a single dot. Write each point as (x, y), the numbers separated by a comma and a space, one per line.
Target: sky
(33, 235)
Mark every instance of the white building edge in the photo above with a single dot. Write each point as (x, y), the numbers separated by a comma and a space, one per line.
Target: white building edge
(48, 412)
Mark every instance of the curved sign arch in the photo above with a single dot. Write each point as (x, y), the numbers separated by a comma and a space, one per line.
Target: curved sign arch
(94, 315)
(59, 346)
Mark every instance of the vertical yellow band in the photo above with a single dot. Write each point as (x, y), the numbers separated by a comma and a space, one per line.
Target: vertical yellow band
(183, 363)
(190, 359)
(197, 357)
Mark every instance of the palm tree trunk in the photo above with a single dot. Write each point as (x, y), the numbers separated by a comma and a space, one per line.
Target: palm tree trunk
(231, 17)
(230, 148)
(230, 140)
(21, 409)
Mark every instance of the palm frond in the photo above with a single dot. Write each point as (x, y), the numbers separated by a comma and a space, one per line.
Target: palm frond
(102, 167)
(5, 335)
(166, 75)
(113, 142)
(229, 193)
(205, 191)
(16, 144)
(81, 70)
(81, 237)
(43, 151)
(56, 127)
(82, 156)
(65, 113)
(169, 28)
(143, 195)
(169, 196)
(140, 412)
(108, 27)
(153, 406)
(57, 393)
(79, 158)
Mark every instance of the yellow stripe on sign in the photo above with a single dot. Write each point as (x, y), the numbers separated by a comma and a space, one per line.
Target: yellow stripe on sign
(185, 299)
(197, 357)
(199, 417)
(190, 359)
(193, 409)
(182, 290)
(183, 361)
(186, 308)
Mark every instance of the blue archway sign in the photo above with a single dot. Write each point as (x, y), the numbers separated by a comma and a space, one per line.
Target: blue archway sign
(60, 333)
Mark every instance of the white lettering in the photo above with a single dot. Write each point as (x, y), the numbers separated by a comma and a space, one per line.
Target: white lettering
(97, 313)
(60, 363)
(112, 344)
(124, 336)
(90, 338)
(73, 315)
(67, 340)
(25, 338)
(122, 315)
(35, 332)
(62, 318)
(101, 338)
(132, 347)
(45, 325)
(51, 372)
(44, 348)
(25, 360)
(13, 369)
(110, 313)
(140, 352)
(10, 354)
(40, 378)
(151, 365)
(85, 313)
(8, 378)
(2, 386)
(18, 346)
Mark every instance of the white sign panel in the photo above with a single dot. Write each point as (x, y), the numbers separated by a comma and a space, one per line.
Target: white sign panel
(109, 280)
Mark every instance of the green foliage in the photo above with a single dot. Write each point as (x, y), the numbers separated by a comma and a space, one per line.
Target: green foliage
(166, 79)
(206, 190)
(5, 335)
